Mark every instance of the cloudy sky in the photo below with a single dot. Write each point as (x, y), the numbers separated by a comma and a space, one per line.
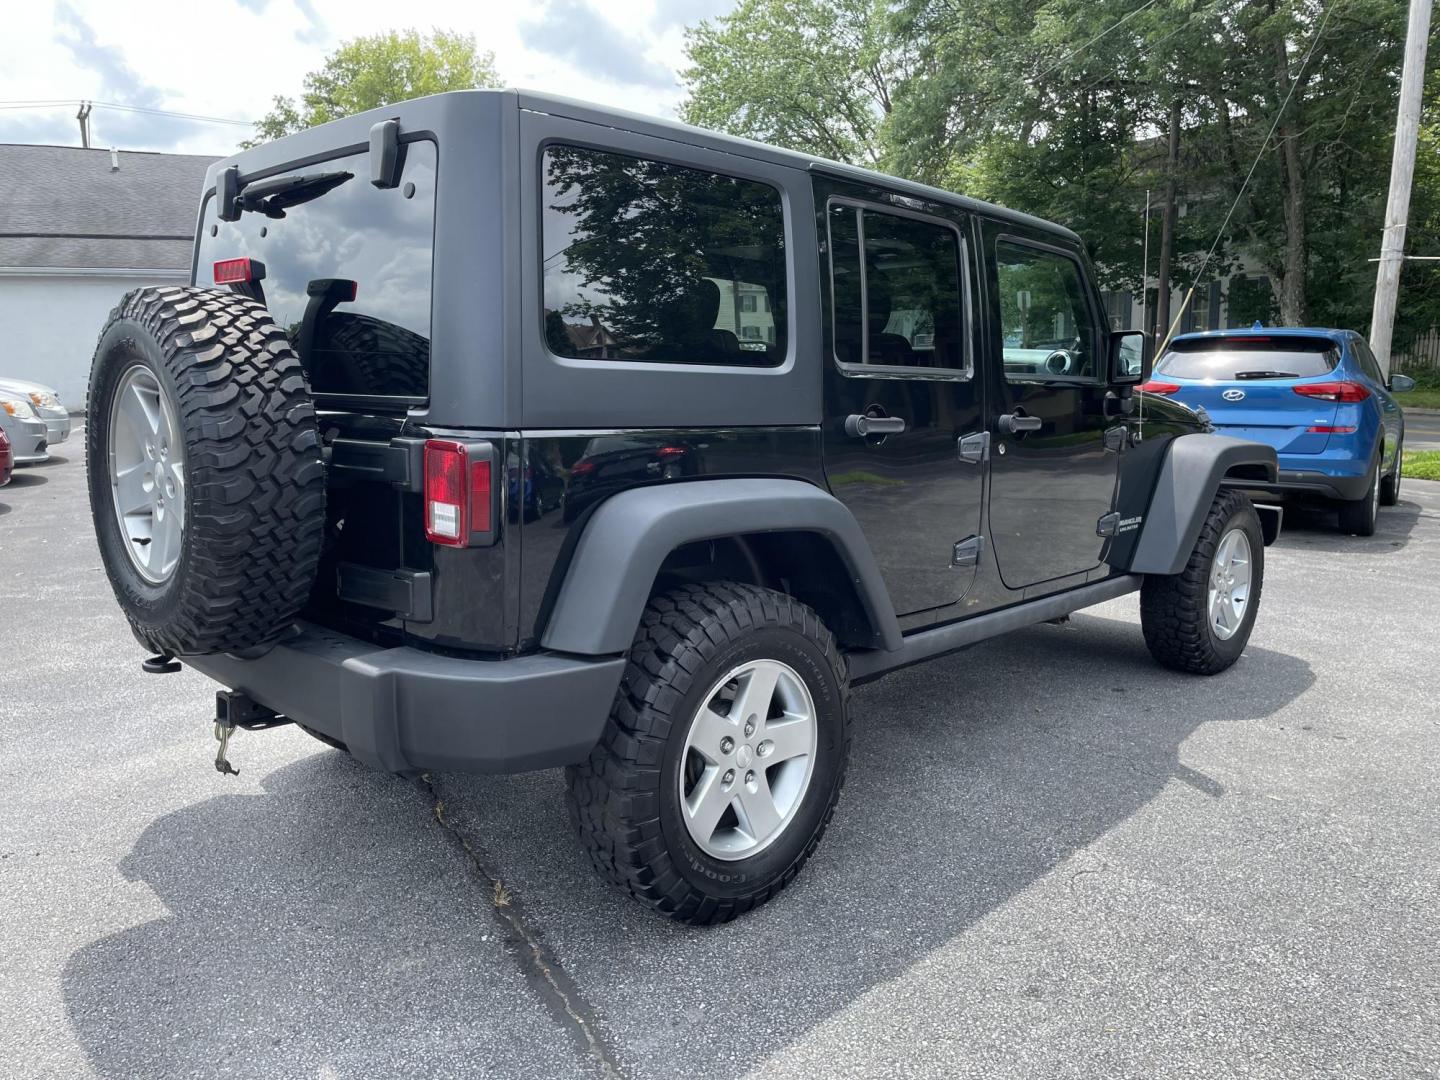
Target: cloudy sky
(228, 58)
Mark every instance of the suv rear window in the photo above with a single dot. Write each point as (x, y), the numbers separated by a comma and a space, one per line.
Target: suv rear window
(1232, 359)
(347, 272)
(660, 263)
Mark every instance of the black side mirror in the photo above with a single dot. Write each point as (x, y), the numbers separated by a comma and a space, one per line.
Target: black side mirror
(1130, 357)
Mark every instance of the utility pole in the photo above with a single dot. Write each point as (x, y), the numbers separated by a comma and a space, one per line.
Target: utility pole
(1402, 171)
(84, 117)
(1167, 230)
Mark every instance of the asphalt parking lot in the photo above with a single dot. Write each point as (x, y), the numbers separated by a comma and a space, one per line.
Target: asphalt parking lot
(1052, 859)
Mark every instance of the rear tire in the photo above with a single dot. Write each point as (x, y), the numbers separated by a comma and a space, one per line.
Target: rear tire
(1357, 516)
(252, 491)
(639, 803)
(1390, 485)
(1179, 612)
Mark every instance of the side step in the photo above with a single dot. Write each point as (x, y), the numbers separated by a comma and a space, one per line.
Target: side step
(925, 644)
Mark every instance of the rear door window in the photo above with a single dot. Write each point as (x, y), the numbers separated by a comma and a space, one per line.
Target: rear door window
(347, 271)
(649, 261)
(1241, 359)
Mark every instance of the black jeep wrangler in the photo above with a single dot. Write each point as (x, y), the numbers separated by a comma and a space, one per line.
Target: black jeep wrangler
(500, 432)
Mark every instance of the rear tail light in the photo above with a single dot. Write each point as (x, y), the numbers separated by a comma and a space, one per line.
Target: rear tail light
(459, 492)
(1347, 392)
(1331, 429)
(670, 453)
(1155, 386)
(238, 271)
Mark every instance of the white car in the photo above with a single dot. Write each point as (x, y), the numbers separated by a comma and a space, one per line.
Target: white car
(46, 404)
(29, 441)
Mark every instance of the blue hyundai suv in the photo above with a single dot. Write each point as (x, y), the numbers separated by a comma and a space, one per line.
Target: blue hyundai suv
(1315, 395)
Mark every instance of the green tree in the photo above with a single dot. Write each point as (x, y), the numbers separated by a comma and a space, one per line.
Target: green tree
(811, 75)
(369, 72)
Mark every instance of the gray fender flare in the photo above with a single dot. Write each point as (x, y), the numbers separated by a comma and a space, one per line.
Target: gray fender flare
(1184, 489)
(607, 584)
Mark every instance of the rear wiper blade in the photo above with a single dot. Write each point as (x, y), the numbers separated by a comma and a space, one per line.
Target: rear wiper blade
(272, 197)
(1267, 375)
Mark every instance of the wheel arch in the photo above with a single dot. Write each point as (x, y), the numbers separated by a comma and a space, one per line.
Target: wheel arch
(1194, 468)
(787, 533)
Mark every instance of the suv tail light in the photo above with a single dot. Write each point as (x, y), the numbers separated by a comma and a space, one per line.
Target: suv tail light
(238, 271)
(1348, 392)
(459, 493)
(1155, 386)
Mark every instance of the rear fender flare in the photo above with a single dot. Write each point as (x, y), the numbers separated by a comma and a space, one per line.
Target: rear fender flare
(627, 538)
(1185, 487)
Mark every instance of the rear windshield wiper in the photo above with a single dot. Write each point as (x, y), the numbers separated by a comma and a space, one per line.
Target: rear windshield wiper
(1267, 375)
(272, 197)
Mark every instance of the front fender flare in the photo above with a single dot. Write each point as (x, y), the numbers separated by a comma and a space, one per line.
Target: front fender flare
(628, 537)
(1184, 489)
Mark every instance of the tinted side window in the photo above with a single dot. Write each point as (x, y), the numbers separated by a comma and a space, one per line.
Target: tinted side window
(1368, 363)
(1047, 329)
(896, 291)
(649, 261)
(347, 271)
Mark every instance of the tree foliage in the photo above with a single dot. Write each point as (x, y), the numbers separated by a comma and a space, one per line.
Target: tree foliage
(1061, 107)
(369, 72)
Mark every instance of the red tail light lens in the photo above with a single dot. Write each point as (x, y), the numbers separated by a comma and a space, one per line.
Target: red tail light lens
(458, 492)
(1155, 386)
(1347, 392)
(1331, 429)
(238, 271)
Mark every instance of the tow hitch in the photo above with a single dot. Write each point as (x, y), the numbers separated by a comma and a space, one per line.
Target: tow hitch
(236, 710)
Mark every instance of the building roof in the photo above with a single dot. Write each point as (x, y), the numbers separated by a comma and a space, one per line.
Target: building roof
(65, 207)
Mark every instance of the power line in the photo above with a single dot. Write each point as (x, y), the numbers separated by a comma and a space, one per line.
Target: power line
(1259, 154)
(1077, 51)
(72, 102)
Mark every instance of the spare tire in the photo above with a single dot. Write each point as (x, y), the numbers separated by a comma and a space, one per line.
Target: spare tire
(206, 482)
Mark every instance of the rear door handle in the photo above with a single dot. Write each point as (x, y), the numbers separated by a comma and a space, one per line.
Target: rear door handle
(1015, 423)
(859, 426)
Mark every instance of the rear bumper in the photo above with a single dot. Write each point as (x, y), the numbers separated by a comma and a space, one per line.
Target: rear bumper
(409, 711)
(1307, 482)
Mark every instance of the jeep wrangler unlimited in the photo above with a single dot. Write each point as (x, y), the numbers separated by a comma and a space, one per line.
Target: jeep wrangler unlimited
(500, 432)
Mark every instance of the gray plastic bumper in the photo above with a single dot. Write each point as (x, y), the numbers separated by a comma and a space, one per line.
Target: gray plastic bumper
(408, 711)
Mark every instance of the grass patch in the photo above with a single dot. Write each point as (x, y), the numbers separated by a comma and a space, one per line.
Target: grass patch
(1421, 464)
(860, 476)
(1420, 398)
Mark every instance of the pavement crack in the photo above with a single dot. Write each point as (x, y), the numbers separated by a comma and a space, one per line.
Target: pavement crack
(540, 967)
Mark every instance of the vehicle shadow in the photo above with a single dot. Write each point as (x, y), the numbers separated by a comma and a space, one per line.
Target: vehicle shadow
(319, 922)
(1316, 528)
(23, 477)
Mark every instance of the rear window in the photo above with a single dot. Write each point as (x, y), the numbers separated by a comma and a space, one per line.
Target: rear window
(347, 271)
(654, 262)
(1241, 358)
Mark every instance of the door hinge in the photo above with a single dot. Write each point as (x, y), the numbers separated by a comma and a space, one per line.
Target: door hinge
(975, 448)
(1115, 438)
(967, 552)
(1109, 524)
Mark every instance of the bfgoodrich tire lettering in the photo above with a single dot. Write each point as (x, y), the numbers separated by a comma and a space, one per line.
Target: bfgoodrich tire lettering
(625, 798)
(254, 486)
(1175, 609)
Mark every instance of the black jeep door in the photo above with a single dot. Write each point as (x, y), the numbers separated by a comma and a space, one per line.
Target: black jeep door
(1051, 475)
(900, 393)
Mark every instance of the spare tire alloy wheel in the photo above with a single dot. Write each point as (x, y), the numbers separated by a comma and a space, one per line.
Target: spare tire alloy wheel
(147, 473)
(206, 482)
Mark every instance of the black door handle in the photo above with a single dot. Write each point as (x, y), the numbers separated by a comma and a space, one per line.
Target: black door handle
(859, 426)
(1015, 423)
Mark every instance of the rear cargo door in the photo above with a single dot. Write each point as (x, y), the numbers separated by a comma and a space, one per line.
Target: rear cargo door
(1247, 385)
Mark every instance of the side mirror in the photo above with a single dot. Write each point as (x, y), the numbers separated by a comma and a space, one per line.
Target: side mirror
(1402, 384)
(1130, 357)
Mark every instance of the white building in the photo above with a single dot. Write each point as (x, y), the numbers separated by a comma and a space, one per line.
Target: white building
(78, 229)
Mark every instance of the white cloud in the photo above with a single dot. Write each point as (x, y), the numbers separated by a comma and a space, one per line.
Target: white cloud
(230, 58)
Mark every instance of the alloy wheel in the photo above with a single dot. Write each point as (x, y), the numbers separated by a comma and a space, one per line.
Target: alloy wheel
(1230, 584)
(748, 760)
(147, 474)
